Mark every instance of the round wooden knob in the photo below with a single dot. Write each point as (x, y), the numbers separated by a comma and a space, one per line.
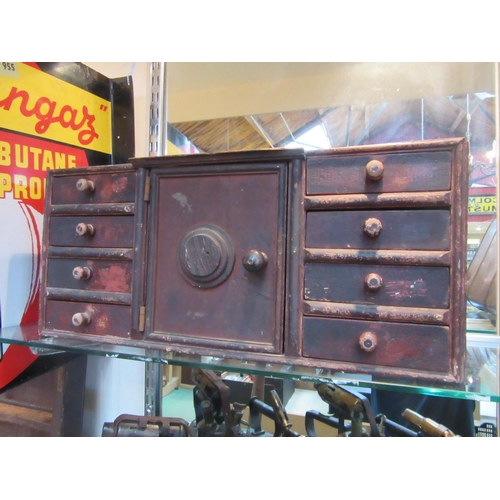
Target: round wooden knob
(84, 229)
(373, 282)
(374, 170)
(81, 319)
(368, 341)
(254, 261)
(85, 185)
(82, 273)
(372, 227)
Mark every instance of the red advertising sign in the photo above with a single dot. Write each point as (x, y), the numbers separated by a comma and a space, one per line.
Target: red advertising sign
(52, 116)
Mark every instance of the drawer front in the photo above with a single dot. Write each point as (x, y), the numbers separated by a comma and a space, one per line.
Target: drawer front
(88, 319)
(417, 171)
(91, 188)
(418, 347)
(95, 274)
(404, 286)
(379, 229)
(108, 231)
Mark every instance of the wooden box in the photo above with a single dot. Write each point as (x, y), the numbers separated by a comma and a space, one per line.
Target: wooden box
(349, 259)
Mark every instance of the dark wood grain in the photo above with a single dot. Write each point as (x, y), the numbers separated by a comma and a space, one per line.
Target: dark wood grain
(402, 286)
(107, 320)
(377, 312)
(106, 275)
(401, 229)
(246, 308)
(418, 347)
(109, 188)
(412, 171)
(110, 231)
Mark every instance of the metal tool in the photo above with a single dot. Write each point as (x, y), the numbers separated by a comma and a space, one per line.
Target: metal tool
(276, 412)
(214, 414)
(428, 426)
(344, 405)
(139, 426)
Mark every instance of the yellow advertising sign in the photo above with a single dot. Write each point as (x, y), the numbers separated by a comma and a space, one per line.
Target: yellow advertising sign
(482, 204)
(35, 103)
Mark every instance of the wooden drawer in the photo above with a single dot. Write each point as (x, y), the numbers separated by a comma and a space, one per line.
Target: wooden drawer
(415, 347)
(109, 231)
(379, 229)
(403, 286)
(106, 320)
(402, 172)
(90, 274)
(95, 188)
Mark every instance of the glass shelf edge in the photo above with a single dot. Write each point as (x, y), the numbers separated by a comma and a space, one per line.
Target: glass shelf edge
(27, 335)
(483, 340)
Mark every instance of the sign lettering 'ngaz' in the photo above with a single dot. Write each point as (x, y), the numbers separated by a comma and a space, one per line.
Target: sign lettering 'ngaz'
(32, 104)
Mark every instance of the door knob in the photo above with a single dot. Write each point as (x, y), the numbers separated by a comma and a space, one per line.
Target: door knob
(254, 261)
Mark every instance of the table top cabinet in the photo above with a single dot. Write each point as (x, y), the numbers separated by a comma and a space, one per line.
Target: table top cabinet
(349, 259)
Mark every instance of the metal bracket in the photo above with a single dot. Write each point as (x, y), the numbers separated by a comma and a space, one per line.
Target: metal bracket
(157, 147)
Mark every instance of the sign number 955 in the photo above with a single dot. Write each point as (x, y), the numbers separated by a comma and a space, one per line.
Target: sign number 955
(8, 69)
(9, 66)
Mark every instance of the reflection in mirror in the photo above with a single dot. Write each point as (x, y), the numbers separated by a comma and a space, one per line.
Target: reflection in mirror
(469, 115)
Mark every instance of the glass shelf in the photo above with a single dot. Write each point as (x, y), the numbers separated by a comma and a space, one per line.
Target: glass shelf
(482, 363)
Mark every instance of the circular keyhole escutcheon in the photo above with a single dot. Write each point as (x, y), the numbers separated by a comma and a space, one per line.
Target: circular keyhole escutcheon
(205, 256)
(368, 341)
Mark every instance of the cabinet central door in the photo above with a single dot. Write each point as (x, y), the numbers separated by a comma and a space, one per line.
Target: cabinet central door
(217, 255)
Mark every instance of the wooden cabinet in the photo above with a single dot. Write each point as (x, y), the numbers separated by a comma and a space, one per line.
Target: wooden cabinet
(350, 259)
(91, 253)
(384, 258)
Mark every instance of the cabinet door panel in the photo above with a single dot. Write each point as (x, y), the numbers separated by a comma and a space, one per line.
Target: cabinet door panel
(205, 225)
